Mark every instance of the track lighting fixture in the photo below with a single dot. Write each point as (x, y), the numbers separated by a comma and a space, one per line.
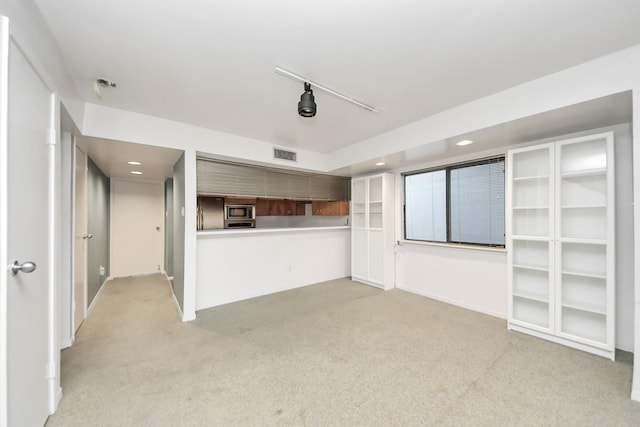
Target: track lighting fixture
(307, 105)
(325, 89)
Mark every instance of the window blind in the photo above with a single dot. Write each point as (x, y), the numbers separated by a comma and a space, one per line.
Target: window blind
(222, 178)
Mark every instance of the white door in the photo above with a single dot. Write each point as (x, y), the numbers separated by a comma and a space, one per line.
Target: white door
(137, 234)
(81, 236)
(25, 115)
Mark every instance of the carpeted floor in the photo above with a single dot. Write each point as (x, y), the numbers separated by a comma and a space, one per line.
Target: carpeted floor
(333, 354)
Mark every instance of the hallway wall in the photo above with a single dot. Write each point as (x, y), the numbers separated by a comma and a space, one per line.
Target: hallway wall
(168, 226)
(179, 197)
(98, 208)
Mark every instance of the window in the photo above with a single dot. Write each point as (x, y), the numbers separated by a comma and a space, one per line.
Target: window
(457, 204)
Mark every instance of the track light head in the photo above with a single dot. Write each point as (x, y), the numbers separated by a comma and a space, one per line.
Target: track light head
(307, 104)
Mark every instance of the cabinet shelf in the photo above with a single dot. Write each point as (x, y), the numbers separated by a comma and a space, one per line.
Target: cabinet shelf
(531, 267)
(531, 178)
(584, 241)
(586, 325)
(587, 309)
(531, 311)
(531, 296)
(531, 238)
(584, 173)
(530, 208)
(594, 206)
(584, 274)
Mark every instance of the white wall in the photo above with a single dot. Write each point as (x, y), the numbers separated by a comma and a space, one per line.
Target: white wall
(470, 278)
(137, 246)
(635, 388)
(477, 278)
(237, 266)
(111, 123)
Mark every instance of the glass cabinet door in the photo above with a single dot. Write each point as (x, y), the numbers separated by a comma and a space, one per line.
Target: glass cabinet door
(583, 230)
(531, 249)
(375, 202)
(359, 201)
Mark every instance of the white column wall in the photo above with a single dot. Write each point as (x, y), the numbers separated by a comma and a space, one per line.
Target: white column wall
(635, 389)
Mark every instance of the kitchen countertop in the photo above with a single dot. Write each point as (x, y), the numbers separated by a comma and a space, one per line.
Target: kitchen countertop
(247, 231)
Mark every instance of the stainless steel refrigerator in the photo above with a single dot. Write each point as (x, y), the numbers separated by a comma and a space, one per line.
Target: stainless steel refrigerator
(210, 213)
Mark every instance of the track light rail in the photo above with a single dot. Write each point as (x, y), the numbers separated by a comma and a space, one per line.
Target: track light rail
(322, 88)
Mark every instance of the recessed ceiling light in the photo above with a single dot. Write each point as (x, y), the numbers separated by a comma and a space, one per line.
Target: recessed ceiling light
(134, 163)
(136, 172)
(464, 142)
(380, 164)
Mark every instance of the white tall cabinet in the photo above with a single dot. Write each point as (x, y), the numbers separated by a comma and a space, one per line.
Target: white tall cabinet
(560, 242)
(372, 233)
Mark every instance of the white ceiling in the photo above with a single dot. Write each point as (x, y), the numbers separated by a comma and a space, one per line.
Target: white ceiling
(113, 157)
(211, 63)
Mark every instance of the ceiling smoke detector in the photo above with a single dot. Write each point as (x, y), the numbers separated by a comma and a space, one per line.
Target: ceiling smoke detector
(106, 82)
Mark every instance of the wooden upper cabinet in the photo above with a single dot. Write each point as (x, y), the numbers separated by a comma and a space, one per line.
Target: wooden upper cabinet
(235, 200)
(280, 207)
(330, 208)
(277, 207)
(262, 207)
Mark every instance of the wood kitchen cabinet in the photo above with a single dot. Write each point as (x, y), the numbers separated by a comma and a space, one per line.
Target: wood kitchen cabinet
(330, 208)
(276, 207)
(234, 200)
(283, 207)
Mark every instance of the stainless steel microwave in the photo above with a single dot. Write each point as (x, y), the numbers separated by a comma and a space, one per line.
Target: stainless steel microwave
(239, 216)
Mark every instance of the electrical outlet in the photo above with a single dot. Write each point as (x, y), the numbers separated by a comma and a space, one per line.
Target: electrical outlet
(102, 270)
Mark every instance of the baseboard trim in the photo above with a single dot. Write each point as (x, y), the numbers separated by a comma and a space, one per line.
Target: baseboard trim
(452, 302)
(95, 299)
(58, 397)
(66, 342)
(175, 300)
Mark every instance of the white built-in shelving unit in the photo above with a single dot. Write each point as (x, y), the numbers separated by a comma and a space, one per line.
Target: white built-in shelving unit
(560, 242)
(372, 233)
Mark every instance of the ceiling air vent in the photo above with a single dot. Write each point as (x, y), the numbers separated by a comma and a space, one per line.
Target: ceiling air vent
(279, 153)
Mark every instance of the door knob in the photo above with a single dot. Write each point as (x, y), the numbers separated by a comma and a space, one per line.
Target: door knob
(25, 267)
(87, 236)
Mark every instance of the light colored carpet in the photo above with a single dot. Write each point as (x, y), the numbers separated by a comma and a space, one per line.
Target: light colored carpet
(334, 354)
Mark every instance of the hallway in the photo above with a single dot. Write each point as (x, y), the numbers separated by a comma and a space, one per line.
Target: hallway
(121, 356)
